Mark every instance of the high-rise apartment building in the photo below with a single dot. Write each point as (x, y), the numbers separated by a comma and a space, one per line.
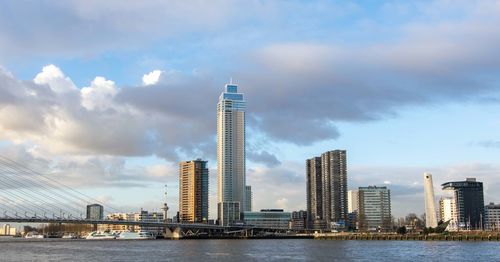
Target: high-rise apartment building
(327, 189)
(314, 192)
(430, 204)
(248, 198)
(193, 191)
(469, 202)
(231, 155)
(374, 213)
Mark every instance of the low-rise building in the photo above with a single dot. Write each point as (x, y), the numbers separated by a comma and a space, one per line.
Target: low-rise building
(299, 220)
(492, 218)
(268, 218)
(7, 230)
(143, 215)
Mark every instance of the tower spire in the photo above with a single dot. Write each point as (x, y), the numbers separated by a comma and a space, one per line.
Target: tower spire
(165, 205)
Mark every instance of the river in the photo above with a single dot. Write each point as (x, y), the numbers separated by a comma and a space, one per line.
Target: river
(245, 250)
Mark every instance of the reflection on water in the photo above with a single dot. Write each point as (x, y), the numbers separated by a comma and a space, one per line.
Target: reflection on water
(247, 250)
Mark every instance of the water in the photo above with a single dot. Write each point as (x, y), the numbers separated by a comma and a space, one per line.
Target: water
(245, 250)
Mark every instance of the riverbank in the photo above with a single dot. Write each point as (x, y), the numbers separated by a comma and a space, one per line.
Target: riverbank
(411, 237)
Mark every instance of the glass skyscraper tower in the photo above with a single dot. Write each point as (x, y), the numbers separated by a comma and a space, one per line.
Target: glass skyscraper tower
(231, 155)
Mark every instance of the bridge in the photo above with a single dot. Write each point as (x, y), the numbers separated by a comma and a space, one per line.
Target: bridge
(31, 197)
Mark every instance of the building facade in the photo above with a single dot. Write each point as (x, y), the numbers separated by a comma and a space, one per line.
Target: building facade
(231, 163)
(268, 218)
(248, 198)
(492, 214)
(193, 191)
(430, 204)
(314, 191)
(143, 215)
(327, 189)
(8, 230)
(95, 212)
(448, 213)
(374, 213)
(299, 220)
(352, 201)
(119, 217)
(469, 202)
(229, 213)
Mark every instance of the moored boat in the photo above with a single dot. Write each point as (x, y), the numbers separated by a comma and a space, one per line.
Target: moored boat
(135, 235)
(100, 235)
(34, 234)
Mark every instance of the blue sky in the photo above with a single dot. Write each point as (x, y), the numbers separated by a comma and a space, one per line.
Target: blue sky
(404, 87)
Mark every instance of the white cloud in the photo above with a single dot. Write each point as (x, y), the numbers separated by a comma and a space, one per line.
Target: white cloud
(52, 76)
(152, 78)
(99, 94)
(282, 203)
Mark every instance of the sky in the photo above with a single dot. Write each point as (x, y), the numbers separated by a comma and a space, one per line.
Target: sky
(108, 96)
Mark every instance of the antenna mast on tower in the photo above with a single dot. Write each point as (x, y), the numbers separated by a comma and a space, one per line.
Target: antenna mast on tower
(165, 205)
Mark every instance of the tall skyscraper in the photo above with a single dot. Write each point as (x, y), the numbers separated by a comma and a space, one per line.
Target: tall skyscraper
(231, 155)
(314, 192)
(193, 191)
(374, 208)
(327, 189)
(248, 198)
(469, 202)
(430, 204)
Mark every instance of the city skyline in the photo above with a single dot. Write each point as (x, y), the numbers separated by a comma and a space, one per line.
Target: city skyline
(110, 103)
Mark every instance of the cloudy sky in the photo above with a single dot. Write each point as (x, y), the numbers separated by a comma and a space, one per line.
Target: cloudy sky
(107, 96)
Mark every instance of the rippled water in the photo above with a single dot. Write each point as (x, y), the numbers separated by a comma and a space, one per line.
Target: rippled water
(245, 250)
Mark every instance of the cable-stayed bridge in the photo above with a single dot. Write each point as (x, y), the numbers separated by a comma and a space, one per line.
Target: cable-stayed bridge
(28, 196)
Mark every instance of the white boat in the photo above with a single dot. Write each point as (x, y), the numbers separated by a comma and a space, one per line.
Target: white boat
(70, 236)
(34, 234)
(100, 235)
(135, 235)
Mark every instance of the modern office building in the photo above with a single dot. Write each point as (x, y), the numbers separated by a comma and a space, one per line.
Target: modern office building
(193, 191)
(327, 189)
(248, 198)
(469, 202)
(448, 213)
(430, 204)
(231, 154)
(95, 212)
(374, 213)
(492, 217)
(352, 201)
(268, 218)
